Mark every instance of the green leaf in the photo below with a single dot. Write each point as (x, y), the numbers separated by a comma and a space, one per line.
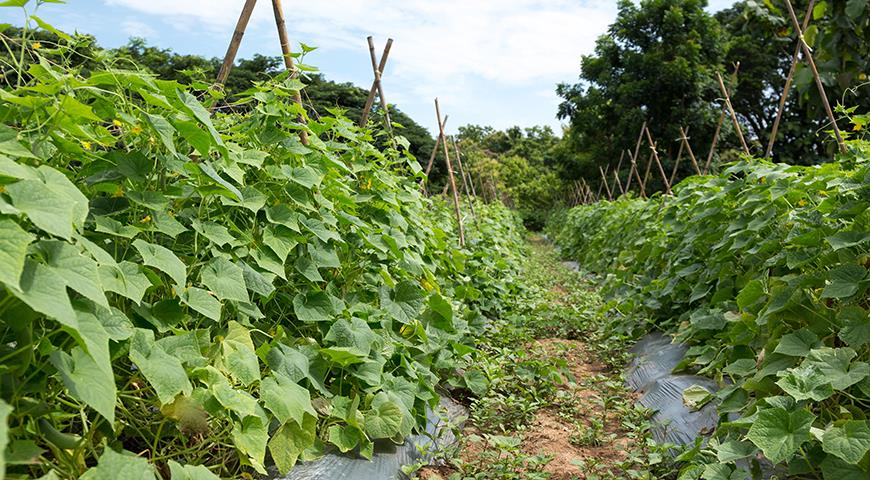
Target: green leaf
(319, 229)
(163, 371)
(404, 302)
(384, 419)
(13, 250)
(113, 227)
(734, 450)
(125, 279)
(162, 258)
(354, 333)
(779, 433)
(71, 107)
(345, 437)
(167, 224)
(190, 472)
(750, 294)
(251, 436)
(844, 281)
(323, 255)
(120, 466)
(855, 8)
(316, 306)
(87, 381)
(696, 396)
(290, 440)
(5, 410)
(856, 326)
(239, 357)
(225, 279)
(256, 281)
(47, 208)
(798, 343)
(842, 240)
(286, 399)
(198, 138)
(45, 292)
(848, 440)
(835, 364)
(835, 469)
(164, 130)
(305, 176)
(216, 233)
(342, 356)
(280, 239)
(308, 268)
(76, 269)
(192, 105)
(282, 215)
(476, 381)
(202, 302)
(805, 383)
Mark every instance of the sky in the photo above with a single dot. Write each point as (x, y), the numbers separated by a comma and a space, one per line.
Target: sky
(490, 62)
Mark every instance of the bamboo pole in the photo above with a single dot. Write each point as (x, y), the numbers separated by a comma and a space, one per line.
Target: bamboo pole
(636, 153)
(616, 172)
(450, 175)
(606, 185)
(788, 82)
(679, 158)
(288, 59)
(235, 41)
(658, 163)
(691, 153)
(425, 180)
(731, 111)
(715, 141)
(646, 174)
(464, 183)
(378, 69)
(808, 54)
(637, 176)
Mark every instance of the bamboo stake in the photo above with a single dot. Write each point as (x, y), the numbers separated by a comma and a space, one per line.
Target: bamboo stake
(691, 153)
(637, 151)
(235, 41)
(788, 81)
(606, 185)
(646, 174)
(658, 163)
(378, 69)
(637, 176)
(464, 183)
(679, 158)
(618, 182)
(715, 141)
(432, 157)
(731, 111)
(288, 60)
(616, 172)
(450, 175)
(808, 54)
(628, 180)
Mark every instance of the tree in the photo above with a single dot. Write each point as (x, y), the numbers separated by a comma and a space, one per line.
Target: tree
(657, 63)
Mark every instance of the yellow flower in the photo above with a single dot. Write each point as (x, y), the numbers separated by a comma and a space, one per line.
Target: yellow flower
(862, 77)
(119, 192)
(136, 130)
(37, 45)
(117, 122)
(86, 145)
(858, 127)
(802, 203)
(146, 219)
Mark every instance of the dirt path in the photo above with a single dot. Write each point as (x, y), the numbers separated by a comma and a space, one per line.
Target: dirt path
(578, 422)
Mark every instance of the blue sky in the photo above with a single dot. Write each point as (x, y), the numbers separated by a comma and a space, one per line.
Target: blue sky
(490, 62)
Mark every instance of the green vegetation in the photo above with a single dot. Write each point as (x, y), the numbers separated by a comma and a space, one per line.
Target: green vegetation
(763, 270)
(181, 288)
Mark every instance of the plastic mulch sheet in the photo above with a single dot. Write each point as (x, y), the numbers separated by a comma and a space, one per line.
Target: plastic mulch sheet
(650, 374)
(388, 459)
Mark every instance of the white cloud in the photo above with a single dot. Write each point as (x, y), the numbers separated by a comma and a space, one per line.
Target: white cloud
(136, 28)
